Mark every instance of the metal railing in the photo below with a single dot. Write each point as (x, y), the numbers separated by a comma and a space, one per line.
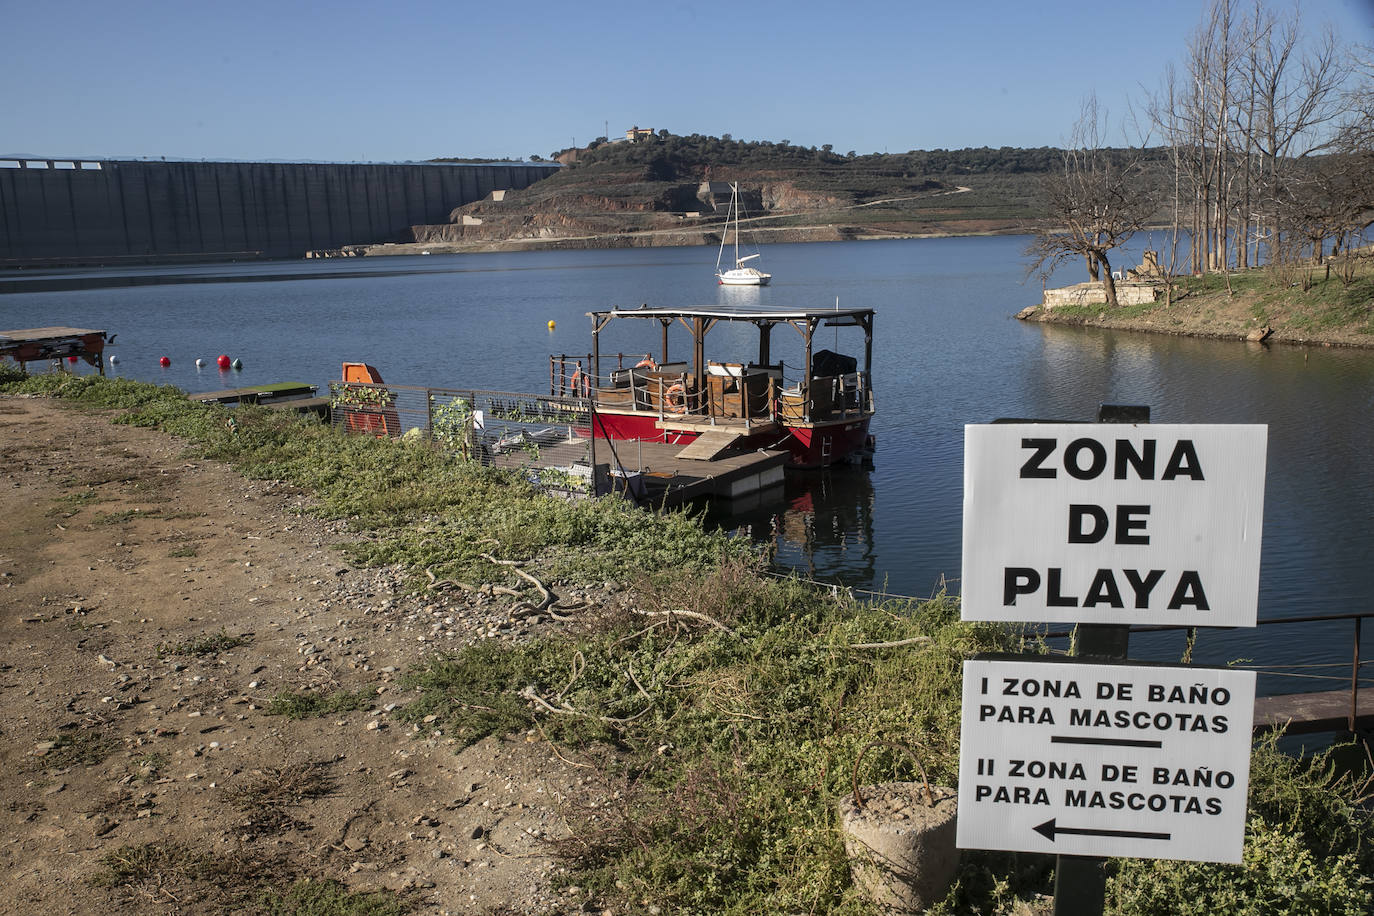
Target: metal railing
(741, 395)
(1356, 617)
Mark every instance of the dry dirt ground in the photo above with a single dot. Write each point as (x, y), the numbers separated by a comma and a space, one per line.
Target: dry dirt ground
(151, 605)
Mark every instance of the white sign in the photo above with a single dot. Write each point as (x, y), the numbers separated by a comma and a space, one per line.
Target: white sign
(1105, 760)
(1113, 523)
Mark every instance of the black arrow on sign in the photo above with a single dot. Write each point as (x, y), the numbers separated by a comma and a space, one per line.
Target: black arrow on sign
(1048, 830)
(1108, 742)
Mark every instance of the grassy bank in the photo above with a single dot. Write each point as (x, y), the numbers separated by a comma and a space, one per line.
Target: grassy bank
(724, 709)
(1311, 305)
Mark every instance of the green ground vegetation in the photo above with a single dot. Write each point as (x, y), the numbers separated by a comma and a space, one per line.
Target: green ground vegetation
(726, 710)
(166, 875)
(312, 704)
(1310, 301)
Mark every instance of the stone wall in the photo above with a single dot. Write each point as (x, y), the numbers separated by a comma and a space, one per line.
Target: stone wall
(1090, 293)
(114, 211)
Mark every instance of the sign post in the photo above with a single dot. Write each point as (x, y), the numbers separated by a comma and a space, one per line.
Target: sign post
(1106, 526)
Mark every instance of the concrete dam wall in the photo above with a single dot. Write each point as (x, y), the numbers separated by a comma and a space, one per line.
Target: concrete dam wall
(82, 211)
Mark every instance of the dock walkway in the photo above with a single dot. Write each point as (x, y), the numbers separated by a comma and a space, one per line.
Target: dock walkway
(669, 479)
(1309, 713)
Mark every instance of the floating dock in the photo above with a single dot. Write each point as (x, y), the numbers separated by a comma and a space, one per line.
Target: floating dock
(257, 394)
(669, 479)
(1309, 713)
(296, 396)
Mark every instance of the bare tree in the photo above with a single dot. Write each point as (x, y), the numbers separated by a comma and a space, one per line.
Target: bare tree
(1254, 97)
(1095, 203)
(1293, 96)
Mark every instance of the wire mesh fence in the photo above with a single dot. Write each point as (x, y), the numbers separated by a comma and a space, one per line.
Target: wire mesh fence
(546, 438)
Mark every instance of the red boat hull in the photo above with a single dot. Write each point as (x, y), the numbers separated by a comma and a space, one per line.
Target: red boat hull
(813, 445)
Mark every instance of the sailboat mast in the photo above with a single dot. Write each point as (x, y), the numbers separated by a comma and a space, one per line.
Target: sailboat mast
(734, 198)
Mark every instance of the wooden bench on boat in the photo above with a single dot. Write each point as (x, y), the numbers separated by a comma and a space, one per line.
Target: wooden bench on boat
(737, 390)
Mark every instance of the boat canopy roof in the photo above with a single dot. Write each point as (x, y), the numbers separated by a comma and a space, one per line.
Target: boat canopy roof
(700, 319)
(755, 314)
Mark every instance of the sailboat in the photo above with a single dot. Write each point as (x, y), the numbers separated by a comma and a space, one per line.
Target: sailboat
(739, 275)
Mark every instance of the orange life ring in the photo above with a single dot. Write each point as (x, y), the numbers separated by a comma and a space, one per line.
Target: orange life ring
(646, 363)
(674, 397)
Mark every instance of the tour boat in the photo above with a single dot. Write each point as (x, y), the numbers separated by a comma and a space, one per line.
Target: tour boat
(817, 411)
(738, 275)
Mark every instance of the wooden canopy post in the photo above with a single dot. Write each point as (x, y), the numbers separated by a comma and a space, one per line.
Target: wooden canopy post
(699, 328)
(596, 355)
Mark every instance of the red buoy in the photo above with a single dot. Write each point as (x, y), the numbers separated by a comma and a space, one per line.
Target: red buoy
(164, 362)
(71, 359)
(222, 361)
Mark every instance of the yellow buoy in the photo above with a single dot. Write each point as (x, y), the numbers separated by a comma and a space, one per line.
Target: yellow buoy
(552, 325)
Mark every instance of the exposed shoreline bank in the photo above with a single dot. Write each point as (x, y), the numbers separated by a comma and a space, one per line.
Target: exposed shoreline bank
(659, 238)
(1252, 313)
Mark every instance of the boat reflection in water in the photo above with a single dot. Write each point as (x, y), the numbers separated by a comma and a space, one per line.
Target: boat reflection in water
(819, 524)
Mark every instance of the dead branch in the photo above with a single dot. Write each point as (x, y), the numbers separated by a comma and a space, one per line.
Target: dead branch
(487, 589)
(525, 607)
(579, 664)
(629, 669)
(694, 615)
(922, 640)
(563, 709)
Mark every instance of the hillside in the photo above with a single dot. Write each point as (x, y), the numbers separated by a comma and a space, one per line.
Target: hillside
(669, 190)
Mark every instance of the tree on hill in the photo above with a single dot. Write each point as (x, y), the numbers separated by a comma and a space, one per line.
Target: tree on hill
(1095, 202)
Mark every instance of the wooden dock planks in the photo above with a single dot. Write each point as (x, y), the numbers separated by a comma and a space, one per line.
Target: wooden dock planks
(672, 480)
(709, 445)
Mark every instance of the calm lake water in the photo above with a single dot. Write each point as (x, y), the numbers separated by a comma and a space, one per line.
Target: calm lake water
(947, 352)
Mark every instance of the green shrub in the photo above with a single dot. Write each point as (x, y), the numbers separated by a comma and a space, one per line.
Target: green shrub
(736, 735)
(312, 704)
(1309, 848)
(11, 372)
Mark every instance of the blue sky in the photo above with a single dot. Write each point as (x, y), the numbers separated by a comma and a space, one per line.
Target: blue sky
(350, 81)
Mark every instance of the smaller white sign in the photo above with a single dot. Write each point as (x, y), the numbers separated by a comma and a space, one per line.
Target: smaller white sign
(1149, 761)
(1113, 523)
